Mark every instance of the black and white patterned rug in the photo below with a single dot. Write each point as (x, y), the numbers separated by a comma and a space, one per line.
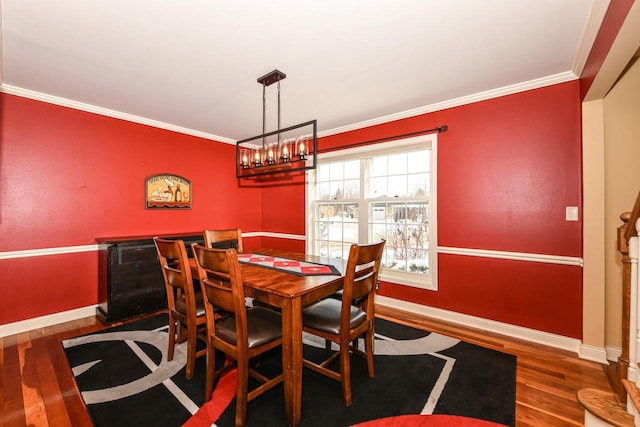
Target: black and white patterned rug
(126, 380)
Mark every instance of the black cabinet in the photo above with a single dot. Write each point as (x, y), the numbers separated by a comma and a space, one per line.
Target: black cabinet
(130, 281)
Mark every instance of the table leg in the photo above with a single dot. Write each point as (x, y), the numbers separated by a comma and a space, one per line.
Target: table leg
(292, 359)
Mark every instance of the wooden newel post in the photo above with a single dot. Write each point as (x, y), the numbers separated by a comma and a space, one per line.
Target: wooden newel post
(623, 360)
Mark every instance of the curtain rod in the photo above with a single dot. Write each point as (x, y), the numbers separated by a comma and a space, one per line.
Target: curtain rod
(439, 129)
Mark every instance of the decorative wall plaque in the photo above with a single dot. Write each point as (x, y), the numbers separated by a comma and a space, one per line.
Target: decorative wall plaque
(166, 191)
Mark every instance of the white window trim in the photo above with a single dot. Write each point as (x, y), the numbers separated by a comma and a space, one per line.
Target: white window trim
(430, 282)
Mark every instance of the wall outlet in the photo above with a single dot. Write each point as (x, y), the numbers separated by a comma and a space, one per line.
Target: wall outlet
(572, 213)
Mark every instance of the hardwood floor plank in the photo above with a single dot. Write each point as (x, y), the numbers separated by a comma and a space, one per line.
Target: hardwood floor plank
(550, 403)
(2, 385)
(12, 413)
(533, 417)
(52, 395)
(35, 413)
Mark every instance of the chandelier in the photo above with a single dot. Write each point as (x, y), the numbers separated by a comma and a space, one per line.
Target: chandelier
(280, 151)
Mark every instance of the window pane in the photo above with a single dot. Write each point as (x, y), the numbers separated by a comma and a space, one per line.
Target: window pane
(395, 260)
(398, 186)
(378, 232)
(351, 232)
(342, 212)
(419, 161)
(322, 230)
(335, 189)
(352, 169)
(398, 164)
(322, 211)
(331, 249)
(345, 251)
(337, 222)
(336, 170)
(418, 184)
(352, 189)
(379, 166)
(335, 231)
(405, 228)
(419, 262)
(323, 172)
(378, 187)
(350, 212)
(378, 212)
(323, 191)
(321, 247)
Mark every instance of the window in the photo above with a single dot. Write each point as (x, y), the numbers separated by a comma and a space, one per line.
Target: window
(382, 192)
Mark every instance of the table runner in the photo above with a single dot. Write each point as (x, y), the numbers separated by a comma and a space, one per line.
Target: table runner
(293, 266)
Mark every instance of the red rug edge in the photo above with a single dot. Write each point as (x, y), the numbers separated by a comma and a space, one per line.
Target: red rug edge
(418, 420)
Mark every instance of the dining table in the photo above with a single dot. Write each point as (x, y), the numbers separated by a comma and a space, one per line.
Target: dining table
(291, 292)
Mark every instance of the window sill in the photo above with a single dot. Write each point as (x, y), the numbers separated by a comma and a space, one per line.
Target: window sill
(413, 280)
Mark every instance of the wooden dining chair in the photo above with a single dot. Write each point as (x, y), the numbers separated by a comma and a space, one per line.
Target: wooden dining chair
(224, 239)
(342, 322)
(248, 333)
(185, 304)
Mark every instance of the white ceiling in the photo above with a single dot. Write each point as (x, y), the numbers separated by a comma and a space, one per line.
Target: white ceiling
(193, 66)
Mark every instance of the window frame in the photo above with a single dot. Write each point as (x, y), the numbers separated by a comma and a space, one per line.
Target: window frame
(430, 281)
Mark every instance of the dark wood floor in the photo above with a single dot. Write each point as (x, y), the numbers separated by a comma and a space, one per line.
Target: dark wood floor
(38, 388)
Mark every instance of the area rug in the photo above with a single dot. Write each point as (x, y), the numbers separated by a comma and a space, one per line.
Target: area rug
(125, 380)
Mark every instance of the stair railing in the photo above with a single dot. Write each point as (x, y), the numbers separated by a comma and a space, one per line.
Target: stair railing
(628, 246)
(631, 278)
(621, 408)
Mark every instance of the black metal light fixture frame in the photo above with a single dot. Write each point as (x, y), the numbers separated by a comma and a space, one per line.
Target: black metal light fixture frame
(281, 151)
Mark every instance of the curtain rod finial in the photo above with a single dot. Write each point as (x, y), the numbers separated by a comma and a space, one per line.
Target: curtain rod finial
(443, 128)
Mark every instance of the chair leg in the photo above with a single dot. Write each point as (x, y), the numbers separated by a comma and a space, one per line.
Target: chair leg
(345, 372)
(172, 337)
(369, 340)
(211, 370)
(191, 351)
(243, 390)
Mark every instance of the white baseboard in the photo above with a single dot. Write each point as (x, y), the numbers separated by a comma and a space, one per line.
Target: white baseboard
(545, 338)
(594, 354)
(48, 320)
(613, 353)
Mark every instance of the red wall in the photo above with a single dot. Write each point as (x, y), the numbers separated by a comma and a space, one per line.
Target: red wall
(507, 168)
(68, 177)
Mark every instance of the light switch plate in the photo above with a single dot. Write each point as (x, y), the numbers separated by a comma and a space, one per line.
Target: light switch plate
(572, 213)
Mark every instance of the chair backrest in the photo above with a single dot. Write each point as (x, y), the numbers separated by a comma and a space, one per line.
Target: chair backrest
(224, 239)
(361, 276)
(221, 283)
(176, 271)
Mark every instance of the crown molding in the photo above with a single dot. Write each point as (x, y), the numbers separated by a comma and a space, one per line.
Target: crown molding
(480, 96)
(596, 16)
